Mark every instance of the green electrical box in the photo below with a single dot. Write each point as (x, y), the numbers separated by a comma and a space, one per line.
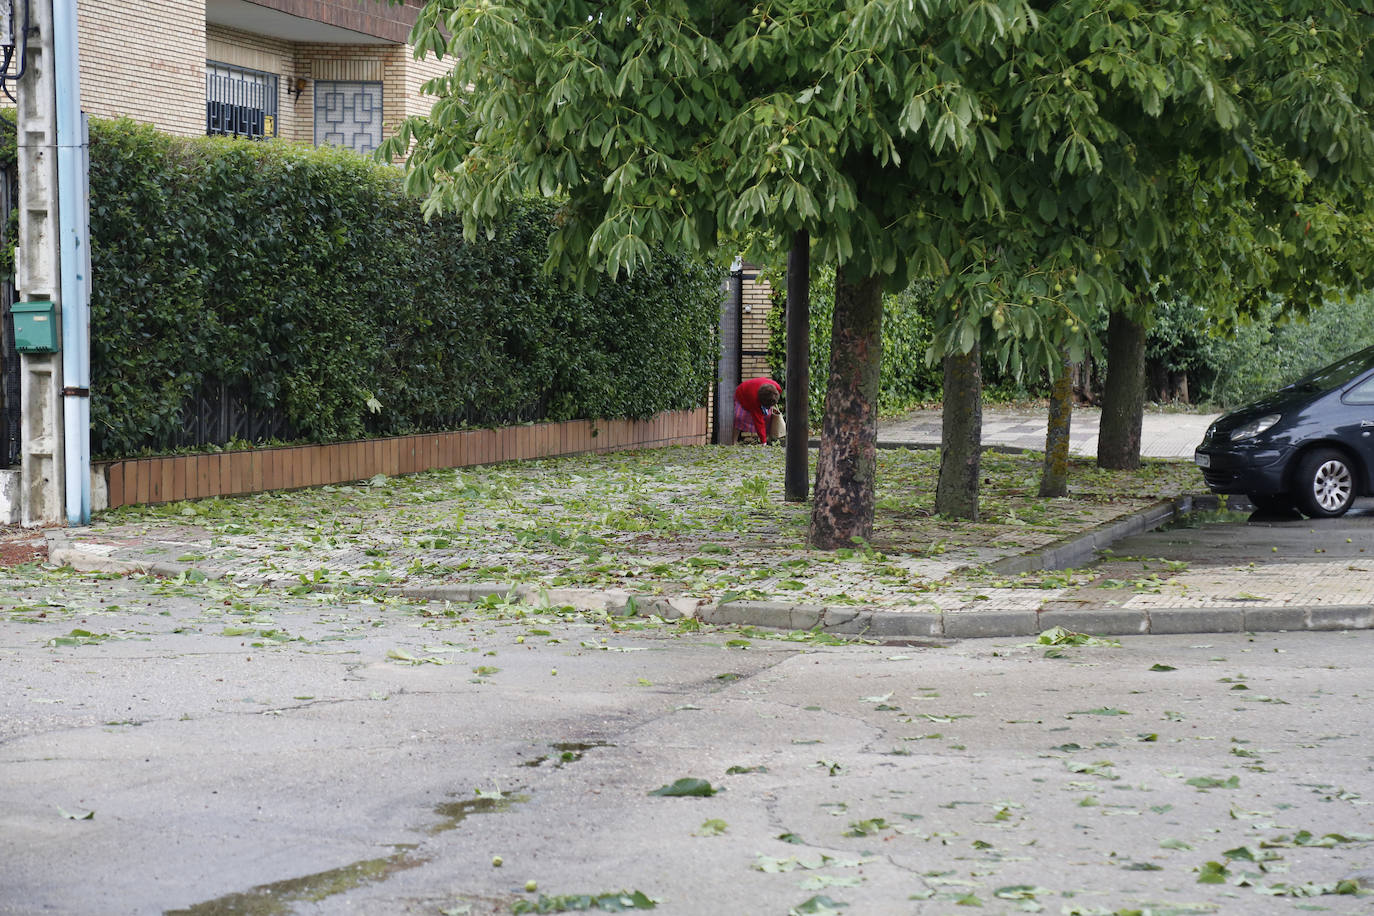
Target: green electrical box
(35, 327)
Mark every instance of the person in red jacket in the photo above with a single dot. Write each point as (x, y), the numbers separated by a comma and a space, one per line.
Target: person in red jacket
(755, 401)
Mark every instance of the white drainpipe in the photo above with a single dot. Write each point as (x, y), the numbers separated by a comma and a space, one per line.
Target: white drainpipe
(75, 260)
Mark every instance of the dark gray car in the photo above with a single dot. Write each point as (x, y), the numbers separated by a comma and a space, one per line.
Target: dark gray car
(1309, 445)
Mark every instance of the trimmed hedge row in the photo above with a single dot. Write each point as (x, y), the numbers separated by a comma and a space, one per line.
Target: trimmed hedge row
(307, 284)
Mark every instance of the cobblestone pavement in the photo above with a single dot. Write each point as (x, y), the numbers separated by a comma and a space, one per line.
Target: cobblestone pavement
(1232, 572)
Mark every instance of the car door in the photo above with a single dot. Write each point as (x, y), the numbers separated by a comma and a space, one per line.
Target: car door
(1355, 423)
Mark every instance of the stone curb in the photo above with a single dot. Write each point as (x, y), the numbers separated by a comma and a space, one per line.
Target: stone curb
(1073, 551)
(878, 623)
(62, 553)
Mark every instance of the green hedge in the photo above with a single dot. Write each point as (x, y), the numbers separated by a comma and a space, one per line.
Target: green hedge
(305, 282)
(1267, 352)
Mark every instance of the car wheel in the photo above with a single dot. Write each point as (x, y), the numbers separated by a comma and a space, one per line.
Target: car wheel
(1271, 503)
(1325, 484)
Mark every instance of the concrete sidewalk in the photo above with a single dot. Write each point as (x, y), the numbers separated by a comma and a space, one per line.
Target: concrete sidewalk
(1000, 589)
(1163, 435)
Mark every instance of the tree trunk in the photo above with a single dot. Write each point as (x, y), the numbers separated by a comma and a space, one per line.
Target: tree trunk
(848, 458)
(1180, 381)
(1123, 395)
(961, 436)
(796, 473)
(1054, 478)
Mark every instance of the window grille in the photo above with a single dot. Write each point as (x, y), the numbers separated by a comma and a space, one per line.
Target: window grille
(240, 102)
(348, 114)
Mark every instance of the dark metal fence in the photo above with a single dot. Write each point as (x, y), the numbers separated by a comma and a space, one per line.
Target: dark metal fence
(220, 415)
(240, 102)
(10, 415)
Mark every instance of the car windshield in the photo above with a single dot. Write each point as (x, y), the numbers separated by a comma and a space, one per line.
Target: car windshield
(1338, 373)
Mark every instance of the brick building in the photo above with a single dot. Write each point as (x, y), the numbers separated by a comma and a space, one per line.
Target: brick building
(756, 299)
(317, 71)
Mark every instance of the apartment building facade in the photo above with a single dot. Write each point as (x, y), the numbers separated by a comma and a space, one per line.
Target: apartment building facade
(335, 72)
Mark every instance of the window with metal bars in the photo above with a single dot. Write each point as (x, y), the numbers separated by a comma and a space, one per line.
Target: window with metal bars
(348, 114)
(239, 102)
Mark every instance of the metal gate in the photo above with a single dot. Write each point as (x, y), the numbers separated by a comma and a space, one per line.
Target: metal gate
(9, 357)
(239, 102)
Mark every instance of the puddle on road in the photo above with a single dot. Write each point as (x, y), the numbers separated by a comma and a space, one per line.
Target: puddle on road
(567, 752)
(1204, 517)
(280, 898)
(454, 813)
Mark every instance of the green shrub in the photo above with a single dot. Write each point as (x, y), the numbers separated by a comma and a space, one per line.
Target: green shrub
(304, 285)
(1274, 349)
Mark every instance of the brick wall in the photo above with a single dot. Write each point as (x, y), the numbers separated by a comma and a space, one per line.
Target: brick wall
(418, 72)
(144, 59)
(390, 22)
(754, 325)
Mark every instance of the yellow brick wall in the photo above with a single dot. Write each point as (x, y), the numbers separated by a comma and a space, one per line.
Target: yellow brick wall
(754, 325)
(419, 72)
(144, 59)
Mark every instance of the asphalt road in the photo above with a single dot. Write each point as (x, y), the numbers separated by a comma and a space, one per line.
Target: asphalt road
(1235, 538)
(196, 748)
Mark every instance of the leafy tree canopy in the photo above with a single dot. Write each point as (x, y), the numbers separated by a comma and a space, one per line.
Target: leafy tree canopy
(1043, 159)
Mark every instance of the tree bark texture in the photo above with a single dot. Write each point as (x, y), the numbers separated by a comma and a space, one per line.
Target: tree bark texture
(796, 483)
(1123, 395)
(847, 463)
(961, 436)
(1054, 477)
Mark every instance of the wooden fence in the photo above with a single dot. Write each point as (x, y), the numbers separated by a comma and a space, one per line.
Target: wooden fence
(168, 479)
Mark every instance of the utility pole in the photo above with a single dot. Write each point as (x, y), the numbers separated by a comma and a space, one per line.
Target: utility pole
(53, 266)
(728, 362)
(796, 470)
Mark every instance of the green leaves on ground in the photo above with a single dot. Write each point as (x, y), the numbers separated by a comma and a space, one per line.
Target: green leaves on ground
(403, 657)
(1058, 636)
(687, 786)
(549, 523)
(72, 816)
(771, 866)
(614, 902)
(1212, 873)
(1021, 892)
(819, 905)
(866, 827)
(1327, 840)
(79, 637)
